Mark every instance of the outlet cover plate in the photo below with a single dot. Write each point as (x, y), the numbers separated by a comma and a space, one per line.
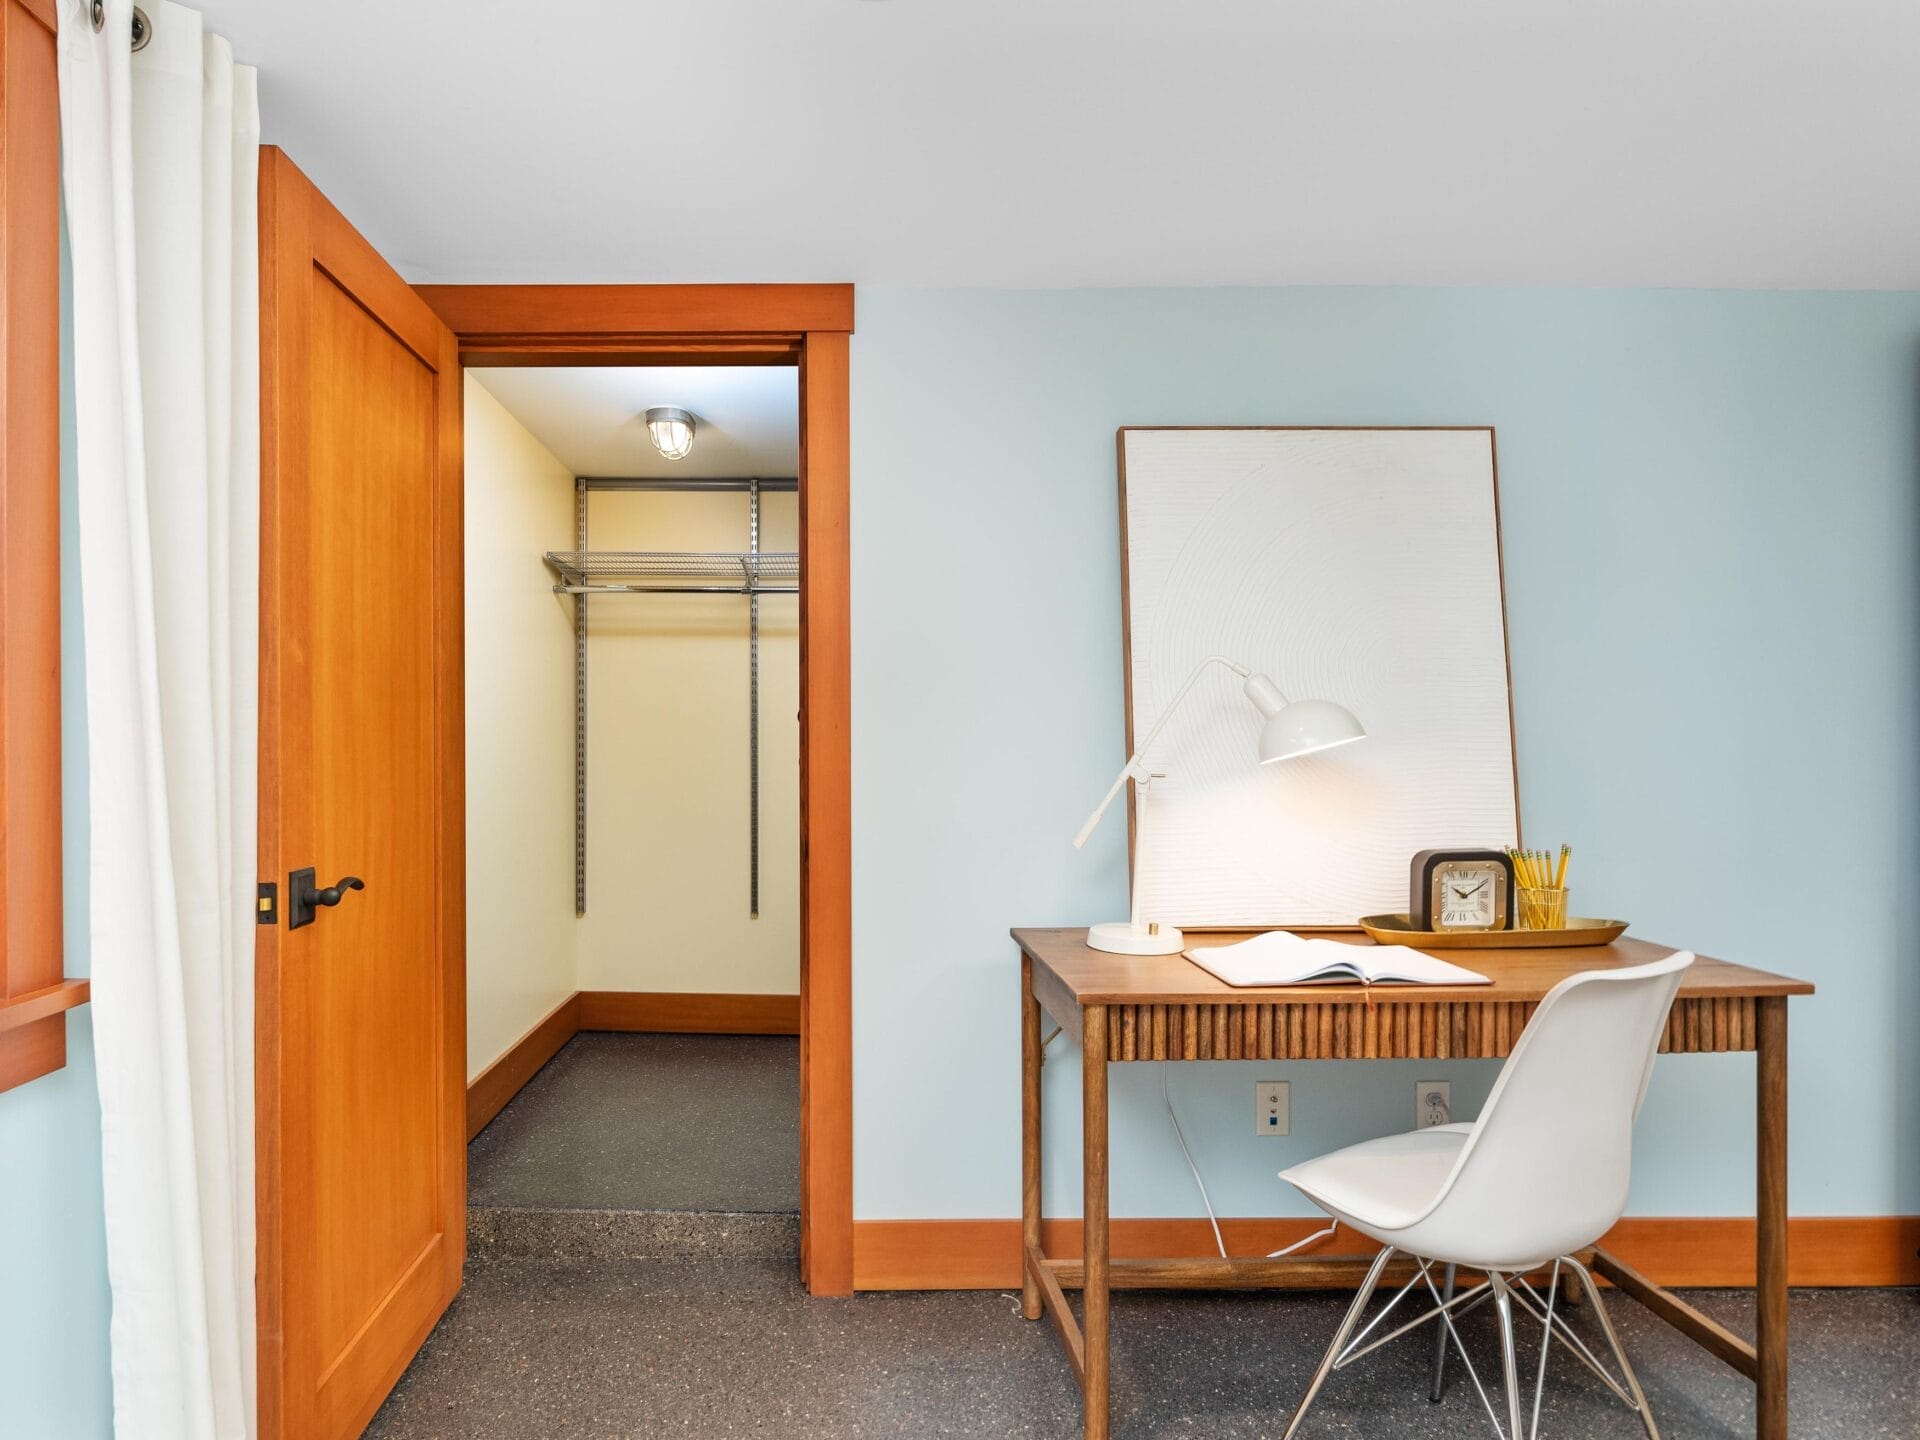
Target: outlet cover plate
(1432, 1104)
(1272, 1109)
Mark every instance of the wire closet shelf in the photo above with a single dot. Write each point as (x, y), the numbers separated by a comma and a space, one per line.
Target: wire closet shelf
(640, 572)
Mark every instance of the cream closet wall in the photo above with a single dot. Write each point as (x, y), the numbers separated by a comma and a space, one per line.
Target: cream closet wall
(520, 926)
(667, 781)
(667, 778)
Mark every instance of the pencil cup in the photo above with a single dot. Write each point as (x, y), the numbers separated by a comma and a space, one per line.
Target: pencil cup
(1543, 907)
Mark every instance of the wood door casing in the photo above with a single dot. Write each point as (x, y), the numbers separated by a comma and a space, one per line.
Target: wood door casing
(360, 1016)
(753, 324)
(33, 1029)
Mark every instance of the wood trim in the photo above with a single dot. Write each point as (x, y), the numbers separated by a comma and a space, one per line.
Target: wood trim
(807, 324)
(579, 352)
(594, 318)
(689, 1014)
(1867, 1250)
(490, 1090)
(31, 942)
(35, 1005)
(826, 820)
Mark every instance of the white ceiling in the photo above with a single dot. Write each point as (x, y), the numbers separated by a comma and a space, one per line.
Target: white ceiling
(1752, 143)
(746, 418)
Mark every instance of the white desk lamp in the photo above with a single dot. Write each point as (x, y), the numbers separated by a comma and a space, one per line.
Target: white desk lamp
(1293, 728)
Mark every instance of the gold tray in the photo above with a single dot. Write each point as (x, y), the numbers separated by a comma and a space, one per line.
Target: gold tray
(1398, 930)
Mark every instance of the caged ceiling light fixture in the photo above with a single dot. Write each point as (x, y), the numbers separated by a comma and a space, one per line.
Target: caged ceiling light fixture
(671, 430)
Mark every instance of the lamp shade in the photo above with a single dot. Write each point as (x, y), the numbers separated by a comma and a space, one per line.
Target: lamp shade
(1301, 727)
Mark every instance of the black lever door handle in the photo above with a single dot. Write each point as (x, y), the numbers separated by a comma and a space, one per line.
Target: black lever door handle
(305, 897)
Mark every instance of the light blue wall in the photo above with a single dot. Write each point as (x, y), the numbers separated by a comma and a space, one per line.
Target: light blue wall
(1710, 537)
(53, 1281)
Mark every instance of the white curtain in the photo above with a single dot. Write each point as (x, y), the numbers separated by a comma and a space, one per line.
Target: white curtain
(160, 153)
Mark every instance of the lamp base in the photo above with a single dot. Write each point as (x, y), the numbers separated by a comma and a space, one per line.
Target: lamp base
(1122, 937)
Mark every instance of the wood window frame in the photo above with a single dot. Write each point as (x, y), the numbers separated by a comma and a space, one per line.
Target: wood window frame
(34, 996)
(808, 326)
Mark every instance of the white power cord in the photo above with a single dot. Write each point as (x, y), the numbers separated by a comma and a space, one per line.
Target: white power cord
(1207, 1200)
(1302, 1244)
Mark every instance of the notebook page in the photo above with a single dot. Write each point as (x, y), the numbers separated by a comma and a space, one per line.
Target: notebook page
(1280, 957)
(1415, 967)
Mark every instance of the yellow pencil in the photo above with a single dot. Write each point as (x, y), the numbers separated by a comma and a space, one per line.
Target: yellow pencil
(1560, 880)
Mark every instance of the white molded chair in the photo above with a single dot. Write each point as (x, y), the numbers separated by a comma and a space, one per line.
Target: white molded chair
(1541, 1174)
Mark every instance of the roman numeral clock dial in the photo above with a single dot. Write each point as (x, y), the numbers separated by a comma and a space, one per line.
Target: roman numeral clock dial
(1461, 890)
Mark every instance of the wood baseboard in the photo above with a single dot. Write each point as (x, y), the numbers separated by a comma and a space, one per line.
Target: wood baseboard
(1708, 1251)
(622, 1010)
(690, 1014)
(490, 1090)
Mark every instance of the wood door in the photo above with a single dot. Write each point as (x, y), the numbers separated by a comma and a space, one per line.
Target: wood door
(361, 1048)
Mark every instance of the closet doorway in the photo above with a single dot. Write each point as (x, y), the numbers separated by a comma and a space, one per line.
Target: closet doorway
(633, 810)
(804, 328)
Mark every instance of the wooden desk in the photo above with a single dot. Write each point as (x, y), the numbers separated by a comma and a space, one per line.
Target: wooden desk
(1163, 1007)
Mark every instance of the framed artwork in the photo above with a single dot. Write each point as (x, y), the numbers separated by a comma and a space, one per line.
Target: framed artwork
(1357, 565)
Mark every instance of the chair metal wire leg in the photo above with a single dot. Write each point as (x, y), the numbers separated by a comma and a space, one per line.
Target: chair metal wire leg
(1619, 1350)
(1509, 1362)
(1440, 1345)
(1485, 1291)
(1354, 1312)
(1546, 1349)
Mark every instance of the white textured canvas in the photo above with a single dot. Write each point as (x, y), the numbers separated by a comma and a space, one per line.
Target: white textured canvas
(1359, 566)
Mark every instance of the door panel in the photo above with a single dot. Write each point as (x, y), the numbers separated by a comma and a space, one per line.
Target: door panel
(361, 1053)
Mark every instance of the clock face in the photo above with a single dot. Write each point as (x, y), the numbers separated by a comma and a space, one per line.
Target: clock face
(1468, 895)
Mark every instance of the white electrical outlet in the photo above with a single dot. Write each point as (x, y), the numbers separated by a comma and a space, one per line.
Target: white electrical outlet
(1271, 1111)
(1432, 1104)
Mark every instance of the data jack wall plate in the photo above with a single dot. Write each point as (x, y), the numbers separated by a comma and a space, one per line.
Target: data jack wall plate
(1272, 1109)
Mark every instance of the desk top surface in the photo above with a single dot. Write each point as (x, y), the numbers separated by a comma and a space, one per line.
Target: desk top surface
(1098, 978)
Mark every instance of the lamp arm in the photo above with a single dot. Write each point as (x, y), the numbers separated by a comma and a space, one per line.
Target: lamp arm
(1132, 769)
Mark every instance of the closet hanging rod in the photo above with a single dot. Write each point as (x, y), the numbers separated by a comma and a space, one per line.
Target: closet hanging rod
(676, 589)
(650, 482)
(721, 572)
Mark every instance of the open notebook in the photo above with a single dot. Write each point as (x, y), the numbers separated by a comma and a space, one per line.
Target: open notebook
(1280, 957)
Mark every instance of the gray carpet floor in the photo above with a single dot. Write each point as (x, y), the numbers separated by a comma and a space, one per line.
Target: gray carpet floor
(725, 1349)
(649, 1122)
(562, 1335)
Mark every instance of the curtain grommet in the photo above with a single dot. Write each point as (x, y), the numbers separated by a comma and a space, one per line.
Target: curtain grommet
(142, 27)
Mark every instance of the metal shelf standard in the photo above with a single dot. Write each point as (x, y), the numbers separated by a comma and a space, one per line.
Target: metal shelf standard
(751, 572)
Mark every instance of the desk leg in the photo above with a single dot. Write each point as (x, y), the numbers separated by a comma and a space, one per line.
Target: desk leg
(1770, 1288)
(1030, 1053)
(1093, 1059)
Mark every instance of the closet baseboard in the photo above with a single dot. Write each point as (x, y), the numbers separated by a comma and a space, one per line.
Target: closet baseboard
(690, 1014)
(622, 1010)
(490, 1090)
